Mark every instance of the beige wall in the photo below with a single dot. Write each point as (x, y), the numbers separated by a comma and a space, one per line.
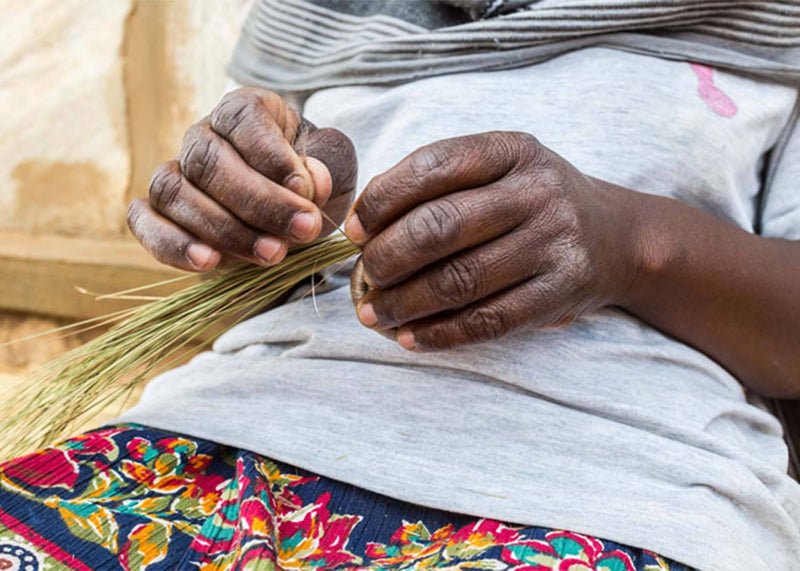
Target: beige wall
(93, 94)
(64, 162)
(176, 56)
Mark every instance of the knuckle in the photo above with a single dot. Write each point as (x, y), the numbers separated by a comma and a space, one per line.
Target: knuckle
(549, 201)
(252, 117)
(533, 154)
(270, 160)
(267, 214)
(563, 223)
(376, 255)
(436, 337)
(234, 109)
(496, 151)
(524, 147)
(218, 234)
(371, 205)
(484, 323)
(552, 180)
(380, 189)
(458, 282)
(165, 186)
(200, 159)
(578, 274)
(525, 141)
(428, 160)
(580, 263)
(225, 229)
(264, 96)
(436, 223)
(553, 173)
(390, 307)
(228, 235)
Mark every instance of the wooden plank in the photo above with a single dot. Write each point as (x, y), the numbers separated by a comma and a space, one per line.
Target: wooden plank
(41, 274)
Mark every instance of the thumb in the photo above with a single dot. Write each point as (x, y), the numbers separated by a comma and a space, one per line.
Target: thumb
(334, 150)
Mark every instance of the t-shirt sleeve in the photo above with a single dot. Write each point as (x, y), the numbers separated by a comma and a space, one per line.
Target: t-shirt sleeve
(781, 208)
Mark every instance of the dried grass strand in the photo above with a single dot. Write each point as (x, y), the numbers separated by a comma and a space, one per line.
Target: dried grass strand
(73, 387)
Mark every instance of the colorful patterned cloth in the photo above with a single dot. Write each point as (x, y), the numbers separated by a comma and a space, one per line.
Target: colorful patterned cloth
(130, 497)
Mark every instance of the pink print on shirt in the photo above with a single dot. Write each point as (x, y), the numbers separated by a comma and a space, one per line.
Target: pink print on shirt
(714, 97)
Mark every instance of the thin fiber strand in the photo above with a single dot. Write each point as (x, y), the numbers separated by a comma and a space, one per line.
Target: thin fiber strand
(69, 390)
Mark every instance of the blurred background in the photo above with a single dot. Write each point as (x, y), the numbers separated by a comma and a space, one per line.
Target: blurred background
(93, 95)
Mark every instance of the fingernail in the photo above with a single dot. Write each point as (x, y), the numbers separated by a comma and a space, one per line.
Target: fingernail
(354, 230)
(201, 256)
(269, 249)
(304, 225)
(366, 314)
(299, 185)
(406, 339)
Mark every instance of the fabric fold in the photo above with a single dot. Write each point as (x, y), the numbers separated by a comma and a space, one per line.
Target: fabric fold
(300, 46)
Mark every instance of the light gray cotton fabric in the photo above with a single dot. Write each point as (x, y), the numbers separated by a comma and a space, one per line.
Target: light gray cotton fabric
(606, 427)
(299, 46)
(781, 213)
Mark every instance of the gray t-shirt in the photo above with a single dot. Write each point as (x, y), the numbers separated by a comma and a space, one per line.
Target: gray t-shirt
(606, 427)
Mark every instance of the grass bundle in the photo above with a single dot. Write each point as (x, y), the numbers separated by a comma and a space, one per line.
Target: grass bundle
(73, 387)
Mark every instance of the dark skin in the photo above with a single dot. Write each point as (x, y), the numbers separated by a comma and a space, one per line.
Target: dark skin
(250, 180)
(468, 239)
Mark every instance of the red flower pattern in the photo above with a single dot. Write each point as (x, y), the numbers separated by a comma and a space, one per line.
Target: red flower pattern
(254, 514)
(48, 468)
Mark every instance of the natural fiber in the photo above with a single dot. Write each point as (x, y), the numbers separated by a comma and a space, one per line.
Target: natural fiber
(73, 387)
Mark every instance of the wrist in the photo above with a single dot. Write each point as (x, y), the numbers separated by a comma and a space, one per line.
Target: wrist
(630, 239)
(654, 246)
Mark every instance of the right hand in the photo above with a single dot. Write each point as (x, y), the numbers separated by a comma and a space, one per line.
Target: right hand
(251, 180)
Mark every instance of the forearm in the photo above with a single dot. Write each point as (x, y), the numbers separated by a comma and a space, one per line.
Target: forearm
(730, 294)
(472, 237)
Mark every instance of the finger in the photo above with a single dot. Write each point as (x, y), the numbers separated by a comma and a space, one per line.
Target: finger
(213, 165)
(175, 198)
(535, 303)
(261, 127)
(432, 171)
(167, 242)
(334, 150)
(321, 177)
(452, 284)
(439, 228)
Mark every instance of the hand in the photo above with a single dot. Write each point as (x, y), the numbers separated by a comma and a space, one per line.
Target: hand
(249, 181)
(469, 238)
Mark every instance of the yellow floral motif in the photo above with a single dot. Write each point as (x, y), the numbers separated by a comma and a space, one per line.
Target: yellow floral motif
(88, 521)
(147, 544)
(147, 499)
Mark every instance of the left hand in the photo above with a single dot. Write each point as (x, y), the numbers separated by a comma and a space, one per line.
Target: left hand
(470, 238)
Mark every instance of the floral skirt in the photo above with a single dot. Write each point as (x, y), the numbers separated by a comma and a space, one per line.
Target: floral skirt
(131, 497)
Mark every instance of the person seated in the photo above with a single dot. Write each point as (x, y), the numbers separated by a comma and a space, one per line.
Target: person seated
(579, 225)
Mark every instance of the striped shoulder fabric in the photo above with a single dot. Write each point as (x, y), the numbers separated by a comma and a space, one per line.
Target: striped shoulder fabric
(297, 46)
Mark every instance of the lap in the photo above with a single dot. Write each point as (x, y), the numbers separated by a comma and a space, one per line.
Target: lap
(132, 497)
